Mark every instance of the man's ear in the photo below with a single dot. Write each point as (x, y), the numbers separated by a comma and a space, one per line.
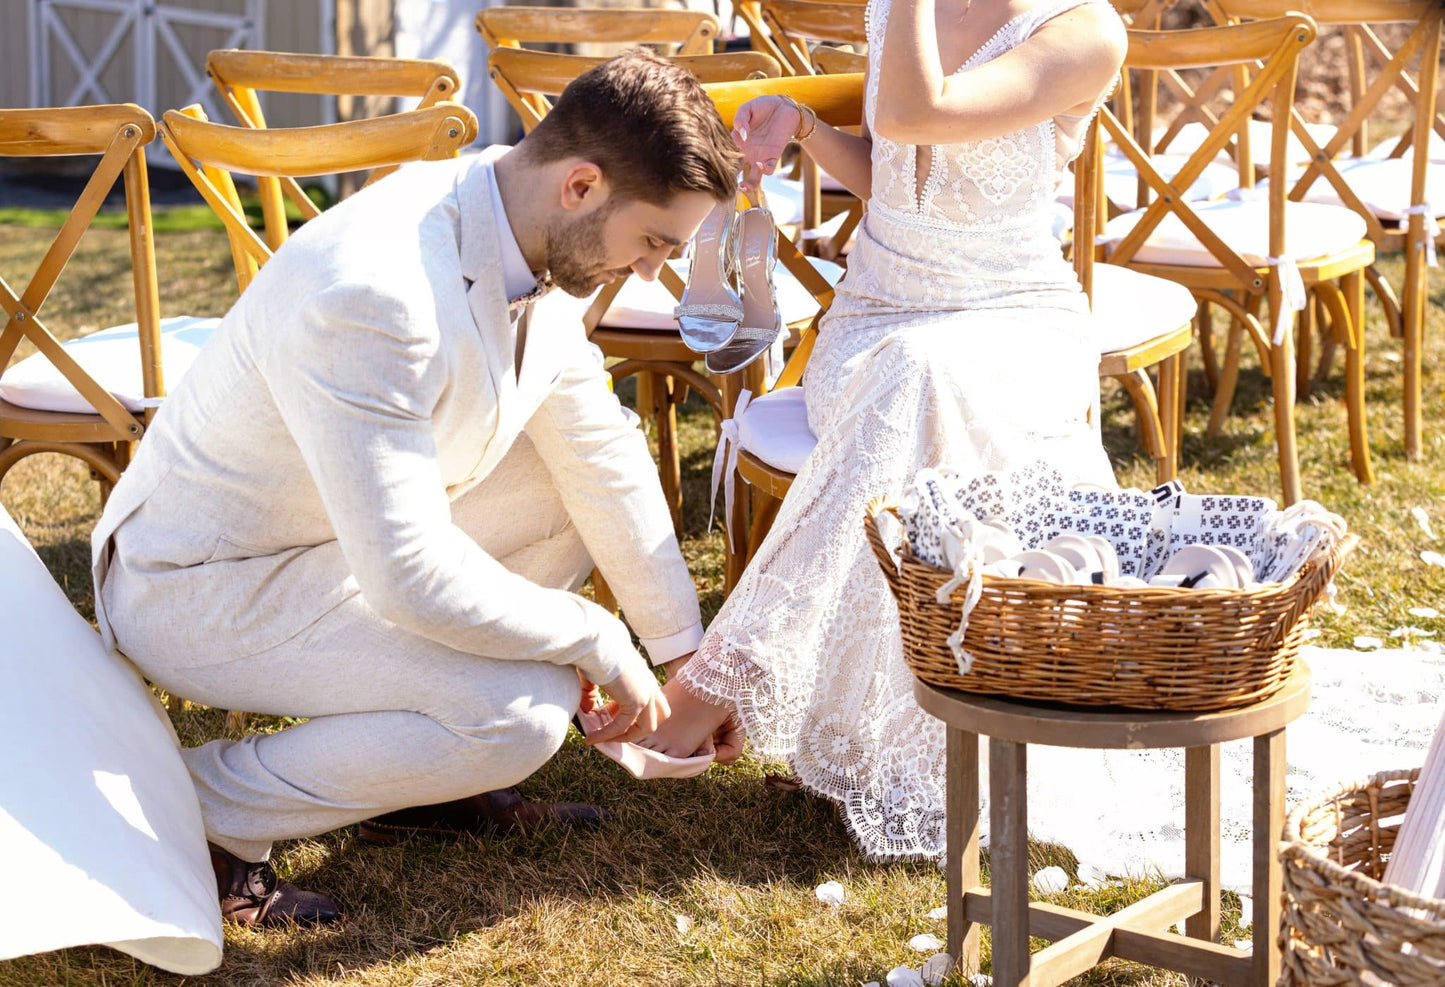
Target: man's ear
(583, 187)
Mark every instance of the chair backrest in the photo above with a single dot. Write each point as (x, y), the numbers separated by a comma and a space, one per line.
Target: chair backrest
(529, 79)
(1272, 44)
(241, 76)
(1391, 72)
(673, 32)
(797, 25)
(118, 135)
(829, 60)
(211, 153)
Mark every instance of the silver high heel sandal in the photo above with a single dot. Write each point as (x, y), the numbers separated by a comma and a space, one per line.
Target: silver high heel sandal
(710, 310)
(755, 247)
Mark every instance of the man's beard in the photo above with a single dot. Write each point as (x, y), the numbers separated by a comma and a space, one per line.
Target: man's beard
(575, 253)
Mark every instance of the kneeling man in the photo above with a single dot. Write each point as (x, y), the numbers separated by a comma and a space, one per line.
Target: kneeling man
(373, 497)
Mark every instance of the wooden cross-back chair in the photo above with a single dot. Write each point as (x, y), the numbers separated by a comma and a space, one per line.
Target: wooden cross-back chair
(100, 429)
(804, 31)
(646, 343)
(672, 32)
(530, 80)
(797, 26)
(211, 153)
(1233, 254)
(241, 77)
(1392, 194)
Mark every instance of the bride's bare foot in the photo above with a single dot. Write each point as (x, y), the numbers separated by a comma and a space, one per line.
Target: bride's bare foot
(691, 727)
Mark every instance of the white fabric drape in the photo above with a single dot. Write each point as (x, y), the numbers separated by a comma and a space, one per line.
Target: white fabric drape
(99, 822)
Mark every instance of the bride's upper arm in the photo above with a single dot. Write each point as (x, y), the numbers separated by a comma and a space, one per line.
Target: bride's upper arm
(1071, 61)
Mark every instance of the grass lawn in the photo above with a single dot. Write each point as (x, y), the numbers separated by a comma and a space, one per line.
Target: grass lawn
(709, 881)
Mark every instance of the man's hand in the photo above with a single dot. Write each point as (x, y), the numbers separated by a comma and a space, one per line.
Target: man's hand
(636, 705)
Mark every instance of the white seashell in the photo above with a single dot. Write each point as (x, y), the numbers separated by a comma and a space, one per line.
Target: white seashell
(925, 942)
(1408, 631)
(935, 968)
(831, 893)
(1310, 633)
(1050, 880)
(1246, 910)
(683, 923)
(904, 976)
(1092, 876)
(1428, 613)
(940, 912)
(981, 980)
(1364, 642)
(1432, 558)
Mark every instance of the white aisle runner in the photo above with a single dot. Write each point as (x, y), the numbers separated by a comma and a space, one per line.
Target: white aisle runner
(99, 824)
(1123, 811)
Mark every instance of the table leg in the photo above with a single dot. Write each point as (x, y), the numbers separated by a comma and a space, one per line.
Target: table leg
(1008, 855)
(962, 831)
(1268, 821)
(1201, 836)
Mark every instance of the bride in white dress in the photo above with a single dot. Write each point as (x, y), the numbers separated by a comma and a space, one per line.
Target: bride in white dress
(958, 336)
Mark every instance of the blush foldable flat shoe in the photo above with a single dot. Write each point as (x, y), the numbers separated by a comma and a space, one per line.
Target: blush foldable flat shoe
(756, 254)
(710, 310)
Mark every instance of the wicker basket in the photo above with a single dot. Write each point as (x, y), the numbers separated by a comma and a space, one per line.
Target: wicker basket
(1155, 648)
(1339, 924)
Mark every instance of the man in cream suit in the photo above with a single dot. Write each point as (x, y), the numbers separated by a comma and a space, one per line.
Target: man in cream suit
(373, 497)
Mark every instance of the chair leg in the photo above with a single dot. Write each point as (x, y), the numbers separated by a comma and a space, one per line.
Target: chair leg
(1228, 378)
(1347, 308)
(1269, 792)
(1170, 404)
(1146, 414)
(765, 511)
(1201, 836)
(1009, 861)
(1281, 360)
(1388, 300)
(669, 458)
(1311, 316)
(602, 593)
(735, 547)
(962, 822)
(1412, 319)
(1204, 323)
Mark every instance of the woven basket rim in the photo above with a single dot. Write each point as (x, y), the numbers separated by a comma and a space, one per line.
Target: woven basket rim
(1111, 594)
(1294, 847)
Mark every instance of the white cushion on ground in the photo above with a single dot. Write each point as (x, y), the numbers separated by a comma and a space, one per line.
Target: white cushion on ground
(1191, 135)
(1121, 178)
(1383, 185)
(1311, 230)
(112, 358)
(98, 817)
(1132, 308)
(774, 428)
(648, 305)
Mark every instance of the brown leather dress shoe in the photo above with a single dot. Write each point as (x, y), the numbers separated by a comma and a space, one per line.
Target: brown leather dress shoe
(487, 814)
(252, 894)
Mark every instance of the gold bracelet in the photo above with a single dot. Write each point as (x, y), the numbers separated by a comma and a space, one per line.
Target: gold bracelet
(811, 116)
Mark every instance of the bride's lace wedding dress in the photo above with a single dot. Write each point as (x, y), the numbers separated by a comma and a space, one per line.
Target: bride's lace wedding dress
(959, 336)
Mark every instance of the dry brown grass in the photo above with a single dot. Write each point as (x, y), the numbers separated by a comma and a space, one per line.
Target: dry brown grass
(737, 859)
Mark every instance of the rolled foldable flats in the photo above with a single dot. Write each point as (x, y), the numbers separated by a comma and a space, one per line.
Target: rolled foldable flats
(755, 248)
(710, 310)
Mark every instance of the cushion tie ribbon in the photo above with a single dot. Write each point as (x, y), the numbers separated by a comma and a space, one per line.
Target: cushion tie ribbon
(1292, 296)
(725, 464)
(1432, 230)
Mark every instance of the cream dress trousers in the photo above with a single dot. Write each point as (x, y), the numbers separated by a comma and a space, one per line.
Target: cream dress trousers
(370, 503)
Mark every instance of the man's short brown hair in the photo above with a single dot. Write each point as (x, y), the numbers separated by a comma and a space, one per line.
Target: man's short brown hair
(647, 124)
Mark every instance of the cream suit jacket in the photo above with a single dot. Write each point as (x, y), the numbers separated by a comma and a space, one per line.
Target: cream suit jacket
(368, 376)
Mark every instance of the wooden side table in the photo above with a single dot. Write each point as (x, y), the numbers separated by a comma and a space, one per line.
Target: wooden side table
(1081, 940)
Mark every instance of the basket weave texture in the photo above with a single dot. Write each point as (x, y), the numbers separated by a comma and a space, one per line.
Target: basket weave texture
(1156, 648)
(1339, 923)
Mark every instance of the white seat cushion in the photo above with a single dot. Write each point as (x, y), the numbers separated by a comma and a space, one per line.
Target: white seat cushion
(827, 183)
(1191, 135)
(1132, 308)
(1121, 178)
(785, 199)
(1311, 230)
(774, 428)
(1437, 148)
(1383, 185)
(648, 305)
(112, 358)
